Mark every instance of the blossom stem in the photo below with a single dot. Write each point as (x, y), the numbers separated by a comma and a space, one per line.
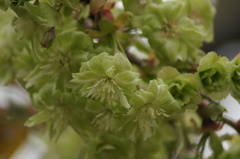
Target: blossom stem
(120, 47)
(201, 145)
(209, 99)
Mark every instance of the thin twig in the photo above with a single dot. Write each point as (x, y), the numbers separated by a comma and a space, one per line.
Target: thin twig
(209, 99)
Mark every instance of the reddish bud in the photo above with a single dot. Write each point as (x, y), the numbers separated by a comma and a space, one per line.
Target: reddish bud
(109, 5)
(96, 6)
(107, 14)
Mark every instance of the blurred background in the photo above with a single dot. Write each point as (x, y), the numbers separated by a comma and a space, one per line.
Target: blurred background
(19, 142)
(226, 29)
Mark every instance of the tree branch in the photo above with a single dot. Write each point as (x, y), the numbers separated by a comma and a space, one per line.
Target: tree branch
(231, 123)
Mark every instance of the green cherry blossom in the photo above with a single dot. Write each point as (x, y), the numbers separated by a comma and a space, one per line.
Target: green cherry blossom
(174, 36)
(235, 78)
(183, 87)
(107, 79)
(214, 74)
(61, 59)
(149, 108)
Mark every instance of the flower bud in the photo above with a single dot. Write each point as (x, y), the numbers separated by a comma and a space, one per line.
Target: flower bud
(96, 5)
(48, 38)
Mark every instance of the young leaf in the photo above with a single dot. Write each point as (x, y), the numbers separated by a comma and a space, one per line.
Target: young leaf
(215, 111)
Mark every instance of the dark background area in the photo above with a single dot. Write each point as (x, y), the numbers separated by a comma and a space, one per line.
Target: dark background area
(226, 29)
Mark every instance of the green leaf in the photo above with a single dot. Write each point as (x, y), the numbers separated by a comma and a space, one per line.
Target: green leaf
(215, 111)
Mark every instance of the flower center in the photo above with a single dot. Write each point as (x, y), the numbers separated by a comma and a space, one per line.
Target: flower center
(169, 30)
(211, 79)
(105, 88)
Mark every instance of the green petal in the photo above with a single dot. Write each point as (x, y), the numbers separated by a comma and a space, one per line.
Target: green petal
(127, 80)
(96, 64)
(163, 98)
(166, 101)
(80, 41)
(38, 118)
(109, 67)
(64, 39)
(71, 3)
(141, 97)
(122, 63)
(94, 106)
(155, 85)
(85, 77)
(50, 14)
(168, 73)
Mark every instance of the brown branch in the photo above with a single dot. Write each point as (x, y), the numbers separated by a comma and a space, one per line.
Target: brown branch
(231, 123)
(225, 120)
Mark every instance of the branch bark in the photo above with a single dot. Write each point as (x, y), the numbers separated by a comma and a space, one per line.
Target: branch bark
(231, 123)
